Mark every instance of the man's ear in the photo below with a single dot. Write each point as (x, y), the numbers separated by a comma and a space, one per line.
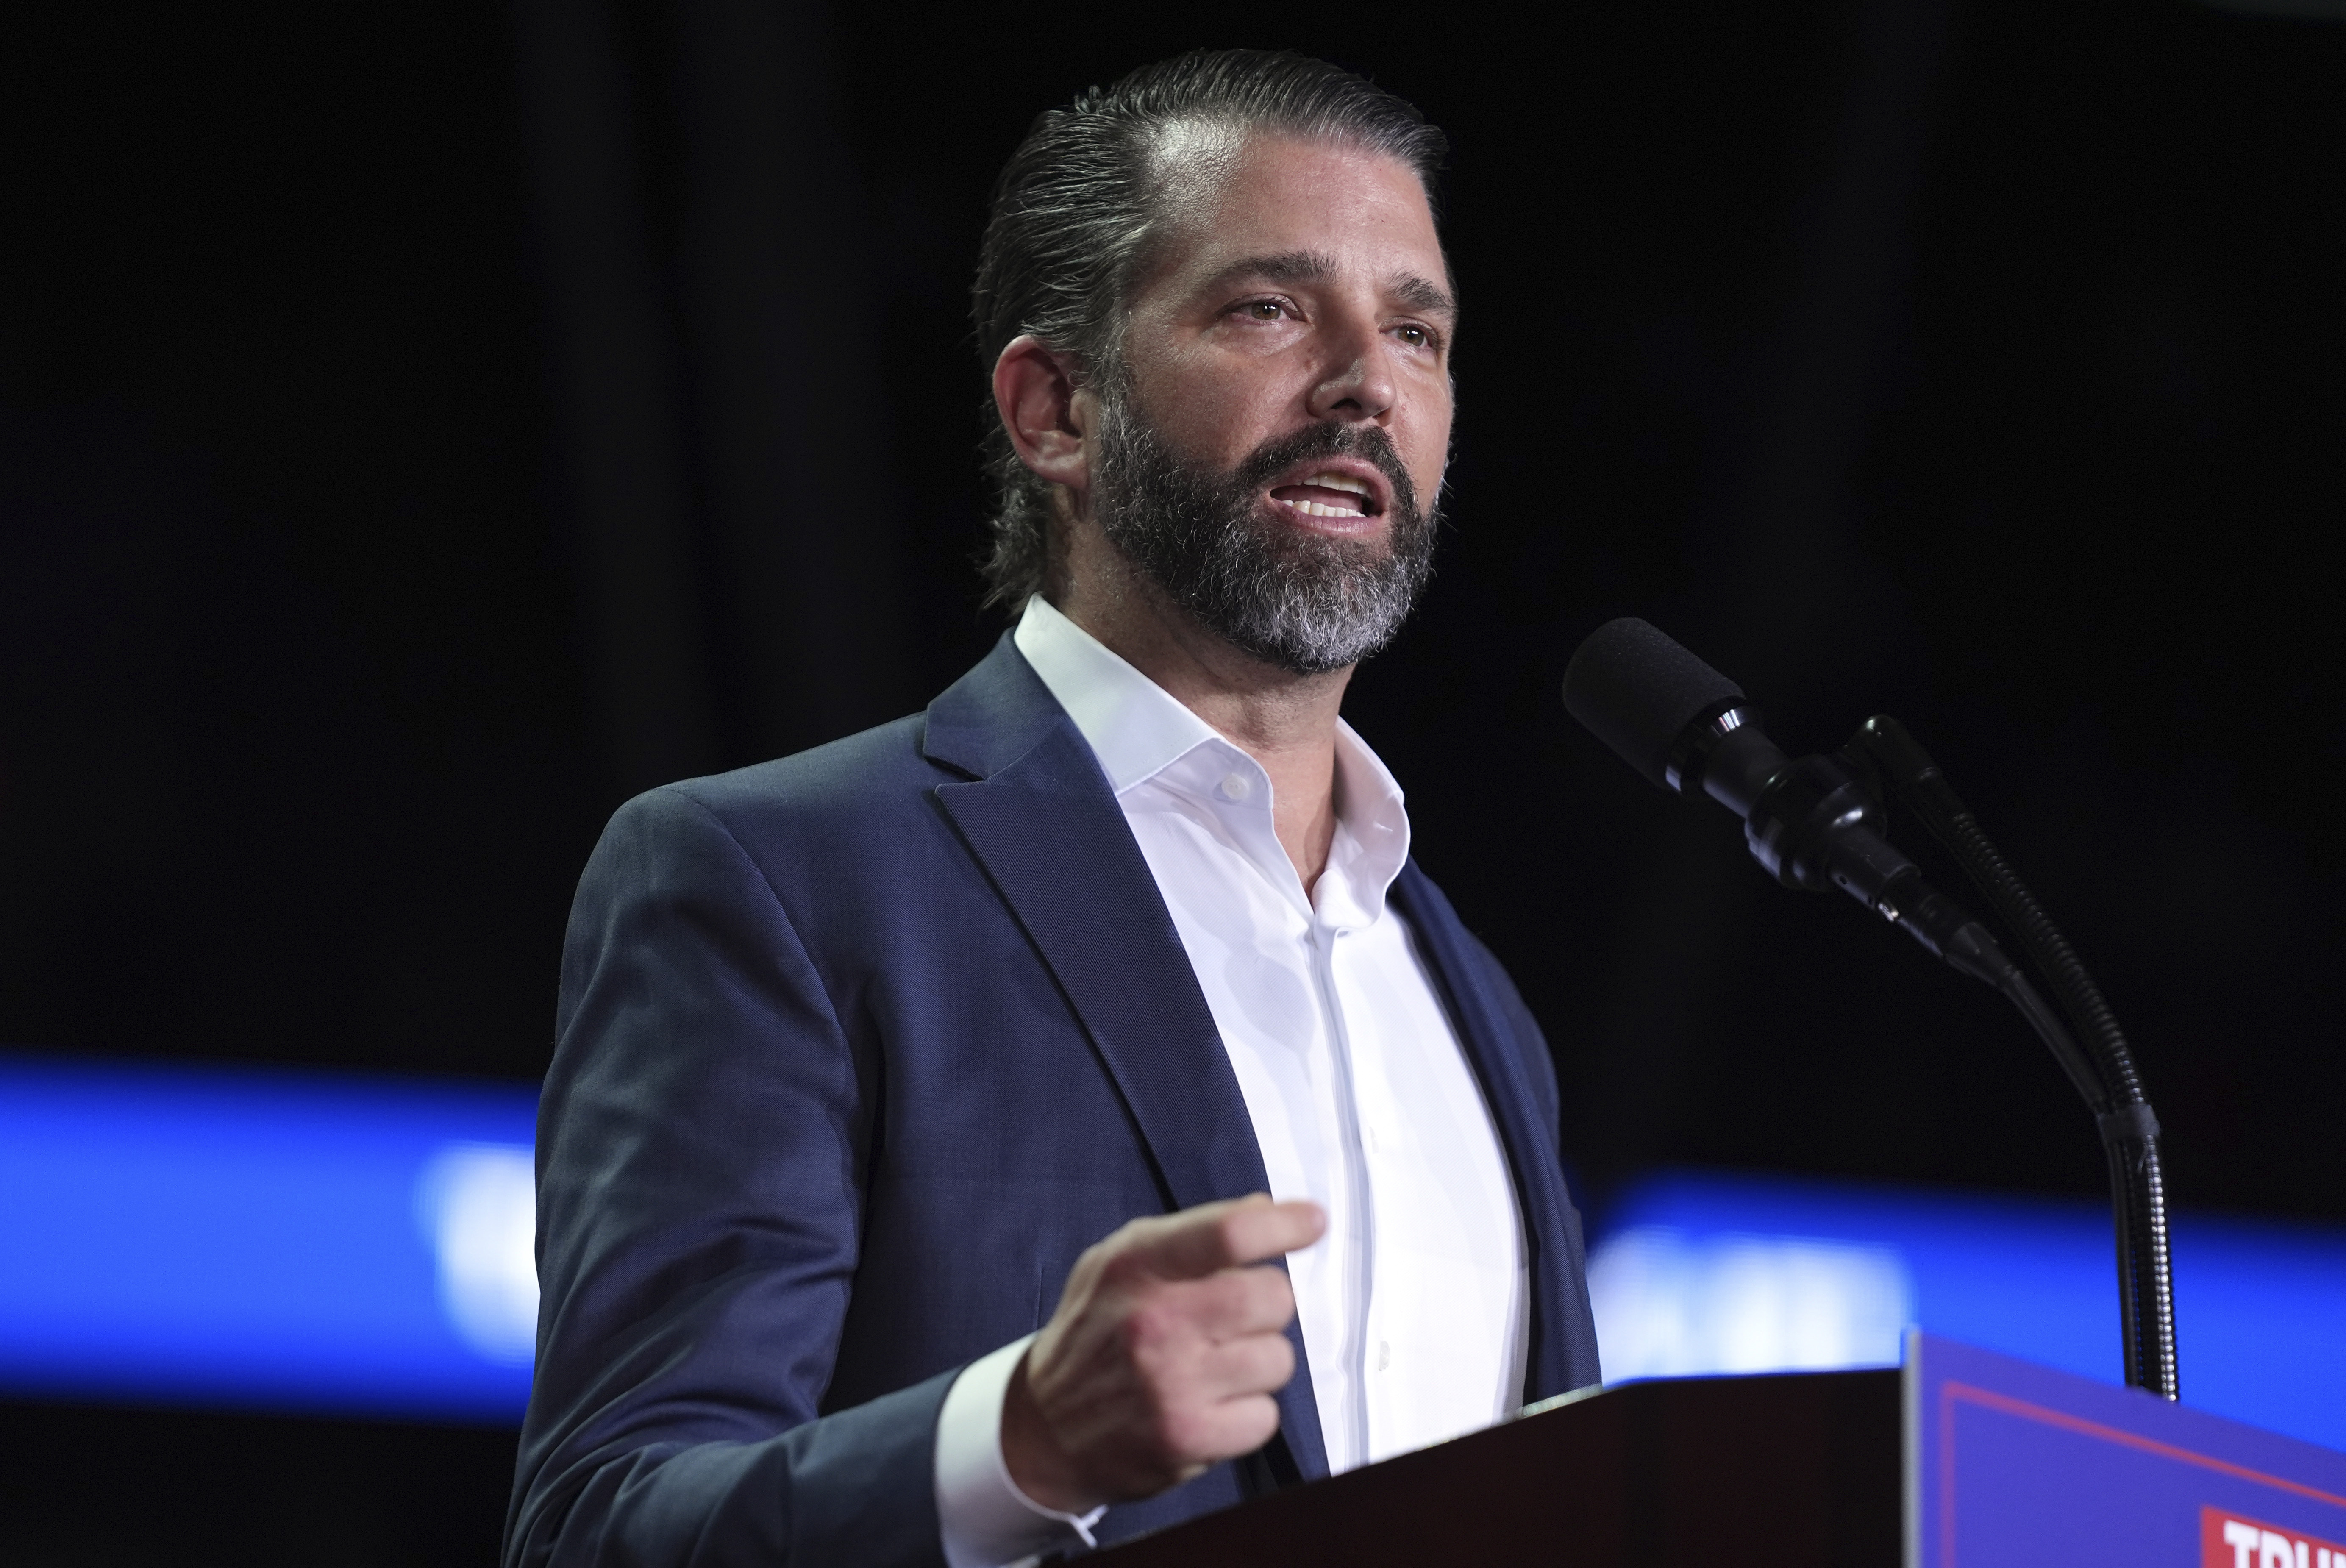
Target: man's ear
(1034, 394)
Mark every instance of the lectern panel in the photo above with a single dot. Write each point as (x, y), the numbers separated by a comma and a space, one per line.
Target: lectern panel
(1796, 1469)
(1964, 1459)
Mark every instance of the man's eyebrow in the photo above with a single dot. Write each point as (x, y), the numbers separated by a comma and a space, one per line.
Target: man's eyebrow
(1315, 267)
(1420, 294)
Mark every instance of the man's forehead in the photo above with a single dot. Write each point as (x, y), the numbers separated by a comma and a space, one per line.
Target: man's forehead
(1261, 204)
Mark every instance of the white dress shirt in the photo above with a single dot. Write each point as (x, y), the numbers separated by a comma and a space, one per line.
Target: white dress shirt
(1413, 1306)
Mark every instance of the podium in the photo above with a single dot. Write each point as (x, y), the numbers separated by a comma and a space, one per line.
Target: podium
(1959, 1459)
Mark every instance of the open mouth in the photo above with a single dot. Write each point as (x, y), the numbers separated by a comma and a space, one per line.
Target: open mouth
(1330, 495)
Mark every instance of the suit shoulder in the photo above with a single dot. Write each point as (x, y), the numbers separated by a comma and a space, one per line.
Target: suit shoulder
(859, 781)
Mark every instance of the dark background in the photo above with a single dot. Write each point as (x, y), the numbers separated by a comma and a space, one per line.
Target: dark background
(422, 426)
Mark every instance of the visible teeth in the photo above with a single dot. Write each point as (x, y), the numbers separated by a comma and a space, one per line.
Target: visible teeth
(1338, 482)
(1314, 509)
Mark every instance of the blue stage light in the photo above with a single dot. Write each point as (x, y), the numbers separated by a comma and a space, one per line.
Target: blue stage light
(333, 1243)
(1718, 1272)
(274, 1240)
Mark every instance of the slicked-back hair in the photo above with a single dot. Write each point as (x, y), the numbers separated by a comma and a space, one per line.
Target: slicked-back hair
(1081, 202)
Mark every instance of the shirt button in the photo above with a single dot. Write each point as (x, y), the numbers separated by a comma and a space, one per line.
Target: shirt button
(1236, 787)
(1384, 1354)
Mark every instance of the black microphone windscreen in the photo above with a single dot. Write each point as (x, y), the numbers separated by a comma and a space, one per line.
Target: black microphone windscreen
(1638, 690)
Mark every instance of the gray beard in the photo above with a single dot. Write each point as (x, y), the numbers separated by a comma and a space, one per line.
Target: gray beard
(1301, 602)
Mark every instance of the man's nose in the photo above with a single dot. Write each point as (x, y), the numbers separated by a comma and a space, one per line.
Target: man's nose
(1360, 386)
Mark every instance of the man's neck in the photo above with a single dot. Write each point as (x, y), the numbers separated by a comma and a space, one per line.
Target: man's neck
(1285, 721)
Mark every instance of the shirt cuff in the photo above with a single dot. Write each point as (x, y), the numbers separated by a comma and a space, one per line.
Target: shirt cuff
(983, 1520)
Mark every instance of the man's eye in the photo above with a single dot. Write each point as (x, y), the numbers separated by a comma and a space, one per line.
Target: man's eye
(1417, 337)
(1263, 310)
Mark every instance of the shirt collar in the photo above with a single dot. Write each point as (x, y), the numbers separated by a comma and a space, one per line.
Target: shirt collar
(1137, 729)
(1372, 834)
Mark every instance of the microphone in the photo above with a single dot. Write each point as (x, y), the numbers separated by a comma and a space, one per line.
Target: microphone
(1818, 822)
(1813, 823)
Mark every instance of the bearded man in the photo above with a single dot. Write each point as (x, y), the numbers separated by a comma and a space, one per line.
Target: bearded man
(1069, 1110)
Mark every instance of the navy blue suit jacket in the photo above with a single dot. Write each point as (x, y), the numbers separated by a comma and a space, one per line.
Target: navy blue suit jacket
(856, 1052)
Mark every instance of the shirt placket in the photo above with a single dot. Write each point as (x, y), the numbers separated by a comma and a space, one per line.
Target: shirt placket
(1363, 1045)
(1244, 803)
(1360, 1275)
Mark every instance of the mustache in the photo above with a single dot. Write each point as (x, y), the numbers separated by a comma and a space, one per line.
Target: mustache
(1316, 441)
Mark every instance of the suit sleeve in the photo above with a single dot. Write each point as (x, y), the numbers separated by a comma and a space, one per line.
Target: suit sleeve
(700, 1146)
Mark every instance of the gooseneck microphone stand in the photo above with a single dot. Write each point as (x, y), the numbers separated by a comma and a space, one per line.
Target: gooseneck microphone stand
(2113, 1090)
(1818, 822)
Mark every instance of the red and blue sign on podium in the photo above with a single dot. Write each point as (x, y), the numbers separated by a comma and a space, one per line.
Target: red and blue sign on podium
(2016, 1463)
(2011, 1463)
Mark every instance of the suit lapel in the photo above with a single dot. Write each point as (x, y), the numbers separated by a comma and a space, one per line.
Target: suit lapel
(1040, 817)
(1551, 1227)
(1056, 846)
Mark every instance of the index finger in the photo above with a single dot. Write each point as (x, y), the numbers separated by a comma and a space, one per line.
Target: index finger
(1231, 1234)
